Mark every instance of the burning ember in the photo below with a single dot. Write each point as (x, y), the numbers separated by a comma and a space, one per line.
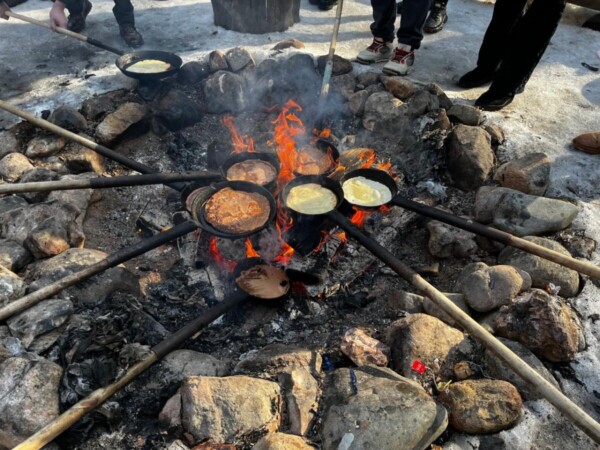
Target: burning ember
(218, 258)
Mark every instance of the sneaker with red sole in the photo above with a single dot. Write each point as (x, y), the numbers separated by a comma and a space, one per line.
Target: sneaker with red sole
(401, 62)
(378, 51)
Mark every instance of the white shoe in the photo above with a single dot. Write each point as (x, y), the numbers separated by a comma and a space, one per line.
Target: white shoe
(403, 59)
(378, 51)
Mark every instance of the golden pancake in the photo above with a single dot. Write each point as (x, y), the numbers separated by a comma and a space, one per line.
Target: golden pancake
(311, 198)
(236, 212)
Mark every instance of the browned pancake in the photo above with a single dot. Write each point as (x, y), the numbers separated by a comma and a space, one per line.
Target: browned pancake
(253, 170)
(312, 161)
(232, 211)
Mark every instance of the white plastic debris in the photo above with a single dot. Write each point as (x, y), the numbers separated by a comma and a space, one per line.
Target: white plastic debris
(346, 442)
(553, 289)
(438, 190)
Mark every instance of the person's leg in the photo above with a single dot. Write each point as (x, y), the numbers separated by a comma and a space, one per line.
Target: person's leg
(437, 17)
(123, 11)
(495, 42)
(382, 28)
(78, 11)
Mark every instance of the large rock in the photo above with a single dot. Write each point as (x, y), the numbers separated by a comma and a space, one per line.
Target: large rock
(125, 118)
(43, 146)
(11, 203)
(421, 103)
(179, 364)
(80, 199)
(400, 87)
(522, 214)
(49, 238)
(97, 106)
(8, 143)
(35, 175)
(469, 157)
(13, 256)
(69, 118)
(403, 301)
(482, 406)
(446, 241)
(382, 111)
(344, 84)
(225, 92)
(543, 272)
(543, 323)
(40, 319)
(486, 288)
(11, 286)
(465, 114)
(427, 339)
(301, 395)
(238, 58)
(90, 292)
(496, 368)
(193, 72)
(341, 65)
(282, 441)
(434, 310)
(80, 159)
(176, 111)
(217, 61)
(374, 408)
(364, 350)
(357, 102)
(225, 409)
(529, 174)
(13, 165)
(278, 358)
(28, 397)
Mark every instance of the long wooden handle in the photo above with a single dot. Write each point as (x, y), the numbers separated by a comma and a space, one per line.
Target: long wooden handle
(520, 367)
(60, 30)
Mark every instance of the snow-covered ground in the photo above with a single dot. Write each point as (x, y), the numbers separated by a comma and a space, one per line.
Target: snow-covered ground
(40, 70)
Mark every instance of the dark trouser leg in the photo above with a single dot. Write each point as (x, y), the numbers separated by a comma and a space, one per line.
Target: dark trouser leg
(75, 7)
(526, 45)
(414, 14)
(384, 16)
(495, 42)
(123, 11)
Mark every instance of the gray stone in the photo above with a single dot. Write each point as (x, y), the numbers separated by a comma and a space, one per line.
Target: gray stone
(176, 111)
(40, 319)
(469, 157)
(344, 84)
(486, 288)
(446, 241)
(434, 310)
(429, 340)
(496, 368)
(238, 58)
(193, 72)
(69, 118)
(217, 61)
(301, 398)
(529, 174)
(127, 117)
(35, 175)
(496, 133)
(28, 398)
(11, 286)
(357, 101)
(282, 441)
(91, 292)
(400, 301)
(179, 364)
(80, 199)
(225, 409)
(170, 415)
(341, 65)
(49, 238)
(543, 323)
(482, 406)
(486, 202)
(386, 411)
(279, 358)
(443, 99)
(542, 271)
(382, 111)
(98, 106)
(400, 87)
(366, 79)
(13, 165)
(8, 143)
(465, 114)
(11, 203)
(13, 255)
(42, 146)
(422, 102)
(288, 43)
(80, 159)
(225, 92)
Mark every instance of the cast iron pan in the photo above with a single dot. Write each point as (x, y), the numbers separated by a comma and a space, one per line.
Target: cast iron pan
(245, 156)
(327, 183)
(326, 147)
(128, 59)
(372, 174)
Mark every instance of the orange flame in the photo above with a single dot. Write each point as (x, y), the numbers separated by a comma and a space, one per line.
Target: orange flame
(217, 257)
(250, 251)
(360, 216)
(287, 126)
(240, 143)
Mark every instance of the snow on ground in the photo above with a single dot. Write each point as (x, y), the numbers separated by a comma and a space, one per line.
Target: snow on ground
(40, 71)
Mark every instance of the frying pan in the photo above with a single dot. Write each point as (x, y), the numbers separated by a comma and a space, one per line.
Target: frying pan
(125, 60)
(196, 203)
(321, 180)
(327, 147)
(247, 156)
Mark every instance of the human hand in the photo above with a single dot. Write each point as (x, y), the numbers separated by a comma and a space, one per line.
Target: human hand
(3, 9)
(57, 15)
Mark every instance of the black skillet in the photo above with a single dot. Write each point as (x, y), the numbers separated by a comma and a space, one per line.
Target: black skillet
(326, 147)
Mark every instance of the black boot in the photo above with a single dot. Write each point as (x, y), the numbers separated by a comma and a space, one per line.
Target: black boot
(326, 5)
(475, 78)
(490, 101)
(131, 36)
(437, 17)
(76, 22)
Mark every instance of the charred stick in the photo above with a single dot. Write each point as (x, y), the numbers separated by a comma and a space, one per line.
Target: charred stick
(520, 367)
(108, 182)
(63, 422)
(497, 235)
(111, 260)
(100, 149)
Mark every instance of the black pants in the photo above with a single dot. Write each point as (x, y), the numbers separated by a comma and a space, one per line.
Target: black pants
(516, 40)
(414, 14)
(123, 10)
